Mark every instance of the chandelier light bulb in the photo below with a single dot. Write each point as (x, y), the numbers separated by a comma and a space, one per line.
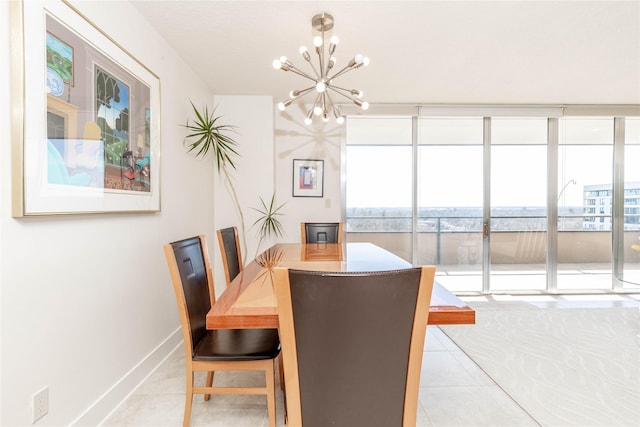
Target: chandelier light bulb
(357, 93)
(362, 104)
(309, 118)
(285, 104)
(277, 64)
(325, 117)
(333, 43)
(305, 53)
(317, 111)
(357, 59)
(321, 87)
(339, 120)
(317, 41)
(365, 61)
(294, 93)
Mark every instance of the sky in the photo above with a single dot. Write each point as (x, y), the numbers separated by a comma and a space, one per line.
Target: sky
(453, 175)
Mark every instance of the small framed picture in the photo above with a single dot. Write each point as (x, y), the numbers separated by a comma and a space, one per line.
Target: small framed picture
(308, 178)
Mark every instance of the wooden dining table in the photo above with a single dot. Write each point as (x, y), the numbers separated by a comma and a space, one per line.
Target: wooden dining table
(249, 300)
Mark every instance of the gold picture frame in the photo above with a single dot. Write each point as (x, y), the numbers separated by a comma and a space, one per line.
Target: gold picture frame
(86, 130)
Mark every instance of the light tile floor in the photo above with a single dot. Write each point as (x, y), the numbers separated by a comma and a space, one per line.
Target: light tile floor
(454, 391)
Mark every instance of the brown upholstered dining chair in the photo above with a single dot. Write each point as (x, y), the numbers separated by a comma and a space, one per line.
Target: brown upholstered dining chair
(215, 350)
(321, 232)
(230, 251)
(352, 345)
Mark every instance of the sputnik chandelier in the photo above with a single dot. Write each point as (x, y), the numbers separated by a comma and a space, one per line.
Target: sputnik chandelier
(323, 81)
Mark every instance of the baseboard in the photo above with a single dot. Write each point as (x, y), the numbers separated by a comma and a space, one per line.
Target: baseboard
(106, 404)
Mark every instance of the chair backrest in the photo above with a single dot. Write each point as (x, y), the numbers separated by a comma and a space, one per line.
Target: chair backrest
(321, 232)
(190, 271)
(352, 345)
(230, 251)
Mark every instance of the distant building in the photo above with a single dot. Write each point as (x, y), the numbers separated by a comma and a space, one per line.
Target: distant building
(598, 205)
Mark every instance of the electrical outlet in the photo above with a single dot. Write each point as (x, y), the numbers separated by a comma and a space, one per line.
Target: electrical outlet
(40, 404)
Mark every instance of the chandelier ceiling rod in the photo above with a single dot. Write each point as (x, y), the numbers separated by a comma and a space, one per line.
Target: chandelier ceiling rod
(323, 82)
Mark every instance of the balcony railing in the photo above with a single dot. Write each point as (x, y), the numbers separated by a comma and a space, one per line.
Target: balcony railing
(514, 240)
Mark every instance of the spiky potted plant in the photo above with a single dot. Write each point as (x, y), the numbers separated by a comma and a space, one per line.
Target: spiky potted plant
(268, 223)
(207, 134)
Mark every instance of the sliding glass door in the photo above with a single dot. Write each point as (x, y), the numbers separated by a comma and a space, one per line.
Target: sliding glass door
(585, 204)
(518, 225)
(379, 183)
(631, 240)
(450, 199)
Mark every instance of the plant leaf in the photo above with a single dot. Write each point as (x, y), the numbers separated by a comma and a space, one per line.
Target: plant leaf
(206, 135)
(269, 224)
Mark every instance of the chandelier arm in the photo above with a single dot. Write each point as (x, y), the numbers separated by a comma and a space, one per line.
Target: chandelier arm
(350, 98)
(301, 94)
(318, 75)
(328, 67)
(315, 103)
(330, 101)
(340, 93)
(305, 91)
(346, 69)
(334, 110)
(321, 56)
(356, 99)
(327, 99)
(302, 73)
(341, 88)
(325, 111)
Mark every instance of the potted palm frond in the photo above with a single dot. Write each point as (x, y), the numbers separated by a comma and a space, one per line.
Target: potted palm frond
(206, 135)
(268, 222)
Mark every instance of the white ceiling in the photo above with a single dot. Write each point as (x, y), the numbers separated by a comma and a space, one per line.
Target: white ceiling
(479, 52)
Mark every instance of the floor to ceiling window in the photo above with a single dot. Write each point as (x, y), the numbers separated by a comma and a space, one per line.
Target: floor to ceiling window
(450, 199)
(379, 179)
(631, 241)
(518, 201)
(585, 170)
(499, 204)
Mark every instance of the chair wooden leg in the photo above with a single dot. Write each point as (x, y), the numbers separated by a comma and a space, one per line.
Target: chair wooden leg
(286, 414)
(281, 371)
(270, 374)
(209, 384)
(188, 401)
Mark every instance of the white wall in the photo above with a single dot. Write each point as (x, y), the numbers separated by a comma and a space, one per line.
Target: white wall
(252, 179)
(319, 141)
(87, 306)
